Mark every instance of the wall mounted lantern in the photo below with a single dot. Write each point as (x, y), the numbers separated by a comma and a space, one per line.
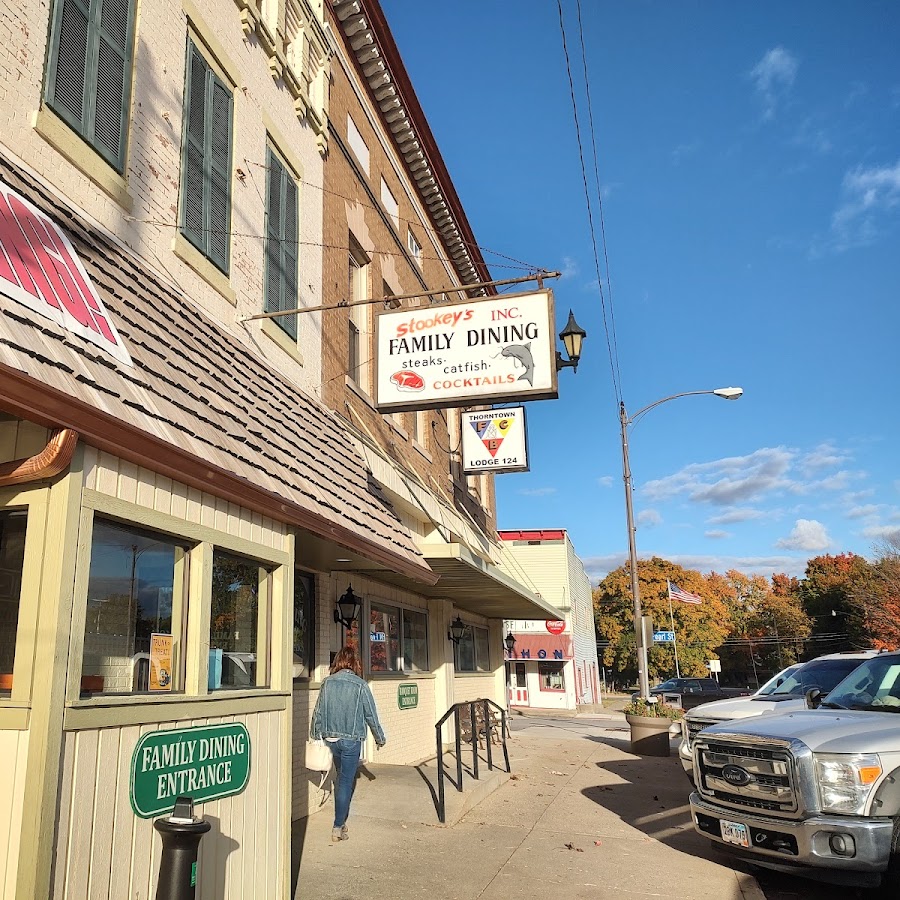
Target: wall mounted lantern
(347, 609)
(457, 630)
(510, 643)
(571, 336)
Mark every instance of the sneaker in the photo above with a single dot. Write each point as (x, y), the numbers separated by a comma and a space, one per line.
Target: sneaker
(336, 835)
(344, 833)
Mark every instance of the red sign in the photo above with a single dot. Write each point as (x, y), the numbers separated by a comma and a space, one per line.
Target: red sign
(555, 627)
(40, 270)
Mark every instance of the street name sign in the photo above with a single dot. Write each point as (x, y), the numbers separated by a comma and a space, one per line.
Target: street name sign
(663, 637)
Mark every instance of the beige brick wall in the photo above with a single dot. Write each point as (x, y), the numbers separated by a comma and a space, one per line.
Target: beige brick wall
(153, 161)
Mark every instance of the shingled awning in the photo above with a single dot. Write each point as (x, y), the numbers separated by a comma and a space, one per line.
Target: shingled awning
(198, 405)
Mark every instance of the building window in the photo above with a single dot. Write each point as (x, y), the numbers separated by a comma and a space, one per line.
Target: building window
(398, 639)
(12, 561)
(88, 79)
(551, 677)
(136, 592)
(237, 634)
(282, 229)
(206, 161)
(472, 654)
(304, 624)
(357, 144)
(390, 204)
(414, 427)
(358, 343)
(415, 248)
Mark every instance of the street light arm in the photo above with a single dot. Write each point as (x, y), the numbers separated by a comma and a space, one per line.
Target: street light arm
(640, 412)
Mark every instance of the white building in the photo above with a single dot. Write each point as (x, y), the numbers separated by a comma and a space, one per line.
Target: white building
(553, 664)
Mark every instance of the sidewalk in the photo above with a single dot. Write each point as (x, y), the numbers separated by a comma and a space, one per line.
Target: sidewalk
(580, 817)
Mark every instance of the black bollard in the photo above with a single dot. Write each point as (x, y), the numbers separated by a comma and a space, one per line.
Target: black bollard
(181, 833)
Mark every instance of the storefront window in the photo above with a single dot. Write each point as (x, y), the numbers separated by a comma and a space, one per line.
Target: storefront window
(550, 676)
(472, 654)
(415, 641)
(12, 556)
(398, 639)
(134, 624)
(236, 640)
(384, 639)
(304, 624)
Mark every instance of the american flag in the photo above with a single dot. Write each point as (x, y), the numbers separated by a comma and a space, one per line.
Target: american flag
(676, 593)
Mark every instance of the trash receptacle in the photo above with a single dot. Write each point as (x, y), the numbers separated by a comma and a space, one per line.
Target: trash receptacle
(181, 833)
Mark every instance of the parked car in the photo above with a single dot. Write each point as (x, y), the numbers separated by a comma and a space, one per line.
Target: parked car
(690, 692)
(814, 792)
(781, 694)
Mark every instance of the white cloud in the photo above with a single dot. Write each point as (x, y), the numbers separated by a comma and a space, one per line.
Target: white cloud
(773, 77)
(597, 567)
(648, 518)
(683, 151)
(862, 512)
(869, 196)
(537, 492)
(822, 457)
(569, 267)
(734, 516)
(808, 535)
(882, 532)
(717, 535)
(605, 481)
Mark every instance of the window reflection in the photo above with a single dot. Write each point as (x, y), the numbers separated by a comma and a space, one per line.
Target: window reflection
(12, 557)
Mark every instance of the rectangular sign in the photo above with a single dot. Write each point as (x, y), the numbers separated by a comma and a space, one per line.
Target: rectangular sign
(160, 662)
(466, 354)
(494, 440)
(407, 696)
(664, 637)
(40, 269)
(206, 763)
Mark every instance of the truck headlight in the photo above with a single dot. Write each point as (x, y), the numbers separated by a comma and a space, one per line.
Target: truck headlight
(846, 780)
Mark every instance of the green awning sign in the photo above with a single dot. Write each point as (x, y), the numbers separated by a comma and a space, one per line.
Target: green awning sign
(407, 696)
(206, 763)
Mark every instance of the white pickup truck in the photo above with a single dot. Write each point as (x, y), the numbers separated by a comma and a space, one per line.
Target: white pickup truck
(814, 792)
(782, 694)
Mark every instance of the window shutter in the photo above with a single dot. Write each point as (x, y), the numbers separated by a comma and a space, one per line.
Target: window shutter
(68, 65)
(219, 174)
(113, 79)
(192, 179)
(273, 235)
(290, 254)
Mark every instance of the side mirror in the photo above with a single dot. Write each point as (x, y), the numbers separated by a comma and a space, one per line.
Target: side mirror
(813, 698)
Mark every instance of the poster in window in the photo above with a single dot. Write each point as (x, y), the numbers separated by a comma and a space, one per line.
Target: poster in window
(160, 662)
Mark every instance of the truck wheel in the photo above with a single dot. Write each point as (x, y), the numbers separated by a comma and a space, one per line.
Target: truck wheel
(890, 881)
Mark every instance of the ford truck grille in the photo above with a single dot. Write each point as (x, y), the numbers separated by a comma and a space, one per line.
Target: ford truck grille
(746, 777)
(695, 726)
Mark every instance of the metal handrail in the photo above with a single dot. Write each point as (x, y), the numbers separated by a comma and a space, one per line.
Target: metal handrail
(486, 729)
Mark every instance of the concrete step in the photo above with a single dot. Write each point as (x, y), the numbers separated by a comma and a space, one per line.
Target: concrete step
(410, 793)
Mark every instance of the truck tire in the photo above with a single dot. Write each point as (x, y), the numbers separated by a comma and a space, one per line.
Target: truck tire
(890, 881)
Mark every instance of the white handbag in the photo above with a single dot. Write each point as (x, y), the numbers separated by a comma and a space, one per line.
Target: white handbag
(318, 756)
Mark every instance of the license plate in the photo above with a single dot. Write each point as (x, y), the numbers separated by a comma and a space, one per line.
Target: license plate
(734, 833)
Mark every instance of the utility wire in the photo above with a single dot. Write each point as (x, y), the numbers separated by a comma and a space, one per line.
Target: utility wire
(587, 195)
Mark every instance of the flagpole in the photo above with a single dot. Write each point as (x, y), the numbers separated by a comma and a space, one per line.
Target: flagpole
(675, 639)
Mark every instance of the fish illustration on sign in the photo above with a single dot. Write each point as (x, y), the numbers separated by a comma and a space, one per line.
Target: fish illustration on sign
(521, 353)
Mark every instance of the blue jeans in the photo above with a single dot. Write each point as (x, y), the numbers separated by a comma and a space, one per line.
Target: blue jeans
(346, 755)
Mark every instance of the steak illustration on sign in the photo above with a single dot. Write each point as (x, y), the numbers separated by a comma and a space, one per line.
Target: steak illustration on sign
(408, 381)
(491, 432)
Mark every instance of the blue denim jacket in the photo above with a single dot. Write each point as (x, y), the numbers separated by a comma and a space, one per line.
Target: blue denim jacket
(344, 708)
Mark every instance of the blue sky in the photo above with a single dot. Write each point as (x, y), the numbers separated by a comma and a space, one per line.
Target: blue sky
(749, 164)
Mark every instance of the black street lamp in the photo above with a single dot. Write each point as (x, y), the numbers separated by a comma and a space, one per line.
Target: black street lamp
(510, 643)
(347, 609)
(457, 630)
(571, 336)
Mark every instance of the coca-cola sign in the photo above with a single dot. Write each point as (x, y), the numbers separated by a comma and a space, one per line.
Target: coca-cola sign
(40, 269)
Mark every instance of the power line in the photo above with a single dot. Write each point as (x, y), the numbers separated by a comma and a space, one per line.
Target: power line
(587, 194)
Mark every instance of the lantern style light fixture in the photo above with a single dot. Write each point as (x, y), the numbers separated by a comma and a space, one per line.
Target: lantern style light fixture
(347, 608)
(457, 630)
(572, 337)
(510, 643)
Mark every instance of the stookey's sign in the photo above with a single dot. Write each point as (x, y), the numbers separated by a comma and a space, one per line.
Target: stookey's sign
(466, 354)
(40, 269)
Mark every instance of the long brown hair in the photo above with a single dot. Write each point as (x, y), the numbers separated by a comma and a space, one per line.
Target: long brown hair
(347, 658)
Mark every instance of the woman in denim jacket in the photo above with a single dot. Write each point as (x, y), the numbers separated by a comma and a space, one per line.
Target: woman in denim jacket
(344, 708)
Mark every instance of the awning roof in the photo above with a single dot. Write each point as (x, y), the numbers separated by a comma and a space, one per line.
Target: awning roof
(472, 584)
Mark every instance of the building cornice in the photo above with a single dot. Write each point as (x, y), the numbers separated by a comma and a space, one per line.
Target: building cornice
(377, 59)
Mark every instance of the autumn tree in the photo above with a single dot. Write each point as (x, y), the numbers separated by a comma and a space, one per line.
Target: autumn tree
(699, 628)
(873, 614)
(825, 592)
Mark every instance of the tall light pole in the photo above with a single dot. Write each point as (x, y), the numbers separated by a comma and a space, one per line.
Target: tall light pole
(729, 393)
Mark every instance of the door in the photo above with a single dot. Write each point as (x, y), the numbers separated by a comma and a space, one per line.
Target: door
(518, 691)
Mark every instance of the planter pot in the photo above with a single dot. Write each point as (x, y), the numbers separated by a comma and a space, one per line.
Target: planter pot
(649, 735)
(6, 682)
